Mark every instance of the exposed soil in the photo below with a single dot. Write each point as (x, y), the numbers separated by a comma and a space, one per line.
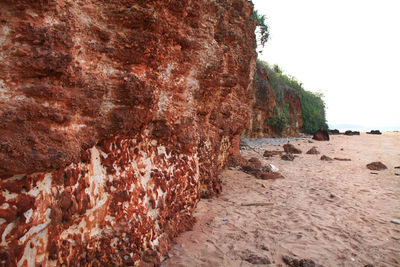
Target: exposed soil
(334, 213)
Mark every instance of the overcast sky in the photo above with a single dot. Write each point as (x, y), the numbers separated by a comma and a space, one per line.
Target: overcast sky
(347, 49)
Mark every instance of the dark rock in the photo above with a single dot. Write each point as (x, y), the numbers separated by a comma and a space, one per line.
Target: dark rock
(292, 262)
(342, 159)
(326, 158)
(313, 151)
(253, 259)
(289, 148)
(287, 157)
(374, 132)
(321, 135)
(351, 133)
(333, 132)
(376, 166)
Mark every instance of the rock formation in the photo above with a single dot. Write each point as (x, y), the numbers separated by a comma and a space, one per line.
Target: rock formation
(313, 151)
(376, 166)
(289, 148)
(333, 132)
(326, 158)
(264, 105)
(321, 135)
(349, 132)
(374, 132)
(115, 117)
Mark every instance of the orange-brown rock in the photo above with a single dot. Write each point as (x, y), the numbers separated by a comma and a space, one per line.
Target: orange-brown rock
(313, 151)
(376, 166)
(289, 148)
(263, 102)
(116, 116)
(321, 135)
(326, 158)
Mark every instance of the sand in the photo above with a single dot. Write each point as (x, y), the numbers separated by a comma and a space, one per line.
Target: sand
(335, 213)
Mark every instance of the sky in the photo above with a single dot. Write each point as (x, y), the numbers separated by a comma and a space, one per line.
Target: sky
(347, 49)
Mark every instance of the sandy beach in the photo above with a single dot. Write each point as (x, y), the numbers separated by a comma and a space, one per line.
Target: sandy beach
(336, 213)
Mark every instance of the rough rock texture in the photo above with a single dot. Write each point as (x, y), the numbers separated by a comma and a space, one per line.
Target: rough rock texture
(263, 103)
(313, 151)
(293, 262)
(321, 135)
(254, 167)
(287, 157)
(115, 117)
(289, 148)
(376, 166)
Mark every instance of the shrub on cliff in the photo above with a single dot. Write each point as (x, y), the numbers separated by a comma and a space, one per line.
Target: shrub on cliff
(312, 104)
(263, 29)
(312, 112)
(280, 120)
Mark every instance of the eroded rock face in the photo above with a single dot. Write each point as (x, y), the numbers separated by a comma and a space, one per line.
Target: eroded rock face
(116, 117)
(263, 102)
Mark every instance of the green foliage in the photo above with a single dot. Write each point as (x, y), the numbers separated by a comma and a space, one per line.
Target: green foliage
(312, 112)
(264, 29)
(280, 120)
(312, 104)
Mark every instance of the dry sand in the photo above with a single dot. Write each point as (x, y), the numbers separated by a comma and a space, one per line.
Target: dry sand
(335, 213)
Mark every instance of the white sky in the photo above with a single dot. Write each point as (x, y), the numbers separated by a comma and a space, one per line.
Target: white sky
(347, 49)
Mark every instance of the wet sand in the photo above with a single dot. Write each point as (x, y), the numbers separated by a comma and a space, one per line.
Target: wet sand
(335, 213)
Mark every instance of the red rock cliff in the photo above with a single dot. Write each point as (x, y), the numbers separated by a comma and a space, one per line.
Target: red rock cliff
(115, 117)
(265, 104)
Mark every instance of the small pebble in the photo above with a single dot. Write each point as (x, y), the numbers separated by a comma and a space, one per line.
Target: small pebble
(396, 221)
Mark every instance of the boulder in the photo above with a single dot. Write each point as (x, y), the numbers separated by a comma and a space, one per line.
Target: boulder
(289, 148)
(293, 262)
(374, 132)
(326, 158)
(287, 157)
(257, 260)
(321, 135)
(313, 151)
(334, 132)
(376, 166)
(349, 132)
(254, 167)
